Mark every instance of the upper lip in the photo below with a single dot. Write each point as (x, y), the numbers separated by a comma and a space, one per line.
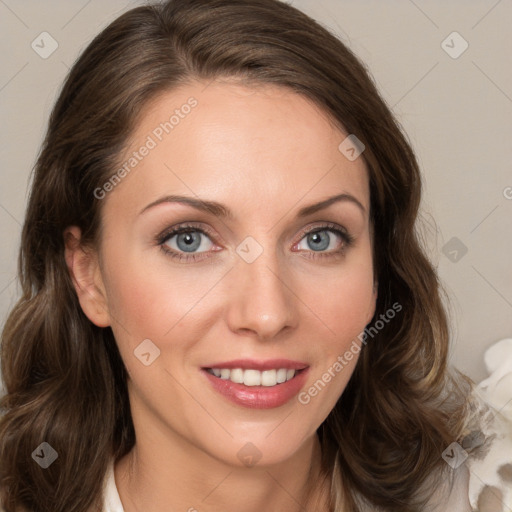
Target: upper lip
(253, 364)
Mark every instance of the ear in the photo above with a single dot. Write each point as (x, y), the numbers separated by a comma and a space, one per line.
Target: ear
(85, 273)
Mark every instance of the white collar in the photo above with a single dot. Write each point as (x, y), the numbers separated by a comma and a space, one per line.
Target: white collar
(112, 501)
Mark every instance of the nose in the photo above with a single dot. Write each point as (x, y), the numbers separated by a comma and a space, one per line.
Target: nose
(262, 298)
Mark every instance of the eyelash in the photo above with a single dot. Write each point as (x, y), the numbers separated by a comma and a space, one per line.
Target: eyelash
(164, 237)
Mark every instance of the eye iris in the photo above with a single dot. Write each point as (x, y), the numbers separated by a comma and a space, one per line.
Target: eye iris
(191, 240)
(317, 237)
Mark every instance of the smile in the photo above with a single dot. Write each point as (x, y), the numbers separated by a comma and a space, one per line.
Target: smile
(250, 377)
(257, 384)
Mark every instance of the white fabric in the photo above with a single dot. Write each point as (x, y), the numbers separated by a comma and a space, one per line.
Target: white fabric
(496, 391)
(458, 500)
(112, 501)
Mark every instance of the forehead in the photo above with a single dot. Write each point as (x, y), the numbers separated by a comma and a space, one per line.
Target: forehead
(233, 142)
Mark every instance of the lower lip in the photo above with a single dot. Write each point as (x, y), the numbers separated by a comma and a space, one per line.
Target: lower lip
(258, 397)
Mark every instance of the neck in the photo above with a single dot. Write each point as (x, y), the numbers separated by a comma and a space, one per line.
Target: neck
(181, 477)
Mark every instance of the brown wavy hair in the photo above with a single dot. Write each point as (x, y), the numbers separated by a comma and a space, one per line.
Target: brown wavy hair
(64, 378)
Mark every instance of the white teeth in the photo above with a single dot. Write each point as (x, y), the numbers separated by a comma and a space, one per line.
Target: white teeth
(237, 375)
(269, 378)
(266, 378)
(252, 378)
(281, 375)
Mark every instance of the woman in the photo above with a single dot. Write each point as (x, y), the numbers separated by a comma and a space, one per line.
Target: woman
(225, 303)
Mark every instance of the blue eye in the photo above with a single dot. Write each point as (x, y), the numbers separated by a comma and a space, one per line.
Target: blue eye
(191, 243)
(185, 239)
(319, 240)
(326, 240)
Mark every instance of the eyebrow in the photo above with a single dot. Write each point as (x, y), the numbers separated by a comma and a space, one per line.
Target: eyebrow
(220, 210)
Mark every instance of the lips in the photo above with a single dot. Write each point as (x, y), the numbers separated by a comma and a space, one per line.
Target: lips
(253, 364)
(257, 384)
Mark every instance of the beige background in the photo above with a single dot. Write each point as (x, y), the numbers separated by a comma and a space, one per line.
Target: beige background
(456, 111)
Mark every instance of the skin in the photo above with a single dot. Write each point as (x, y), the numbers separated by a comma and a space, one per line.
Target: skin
(264, 153)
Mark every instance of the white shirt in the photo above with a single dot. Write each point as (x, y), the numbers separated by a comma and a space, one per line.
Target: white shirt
(112, 502)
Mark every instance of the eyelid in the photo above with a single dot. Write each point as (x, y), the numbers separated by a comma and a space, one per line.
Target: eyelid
(321, 226)
(184, 227)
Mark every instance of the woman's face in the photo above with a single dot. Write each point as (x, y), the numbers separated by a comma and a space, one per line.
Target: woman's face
(246, 291)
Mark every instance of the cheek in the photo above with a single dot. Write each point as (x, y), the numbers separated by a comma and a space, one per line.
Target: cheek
(345, 305)
(147, 299)
(134, 303)
(343, 300)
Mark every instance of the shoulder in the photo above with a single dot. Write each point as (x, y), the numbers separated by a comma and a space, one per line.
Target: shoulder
(451, 492)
